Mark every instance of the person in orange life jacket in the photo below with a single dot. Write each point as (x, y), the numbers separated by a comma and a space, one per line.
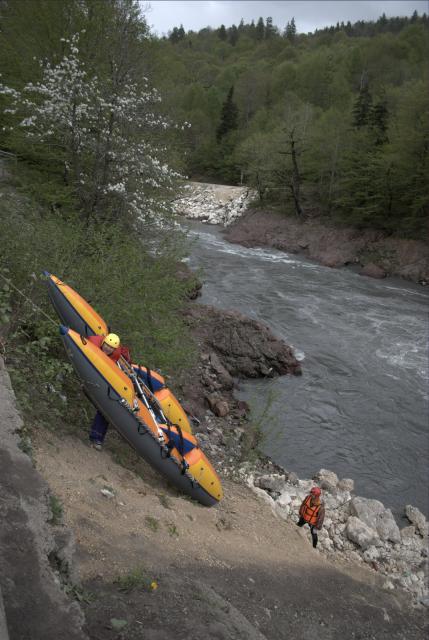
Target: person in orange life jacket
(111, 345)
(312, 512)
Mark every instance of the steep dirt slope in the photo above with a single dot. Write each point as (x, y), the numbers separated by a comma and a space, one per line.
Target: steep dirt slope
(232, 571)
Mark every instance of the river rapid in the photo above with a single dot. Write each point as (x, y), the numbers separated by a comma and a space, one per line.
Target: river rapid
(361, 406)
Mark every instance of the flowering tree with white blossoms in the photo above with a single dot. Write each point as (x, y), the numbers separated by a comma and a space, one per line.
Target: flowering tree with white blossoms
(104, 135)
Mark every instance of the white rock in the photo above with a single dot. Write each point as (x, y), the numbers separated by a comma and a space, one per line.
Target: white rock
(346, 484)
(107, 494)
(416, 517)
(284, 499)
(366, 510)
(282, 511)
(274, 482)
(326, 479)
(377, 517)
(361, 534)
(408, 534)
(371, 554)
(387, 528)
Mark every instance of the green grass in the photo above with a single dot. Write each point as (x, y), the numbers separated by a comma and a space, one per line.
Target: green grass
(172, 531)
(56, 507)
(152, 523)
(136, 579)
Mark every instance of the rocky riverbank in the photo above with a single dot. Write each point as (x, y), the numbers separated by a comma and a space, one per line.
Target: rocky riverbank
(371, 252)
(356, 529)
(213, 203)
(231, 347)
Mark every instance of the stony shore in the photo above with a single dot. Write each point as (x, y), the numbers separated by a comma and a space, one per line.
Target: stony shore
(371, 252)
(356, 528)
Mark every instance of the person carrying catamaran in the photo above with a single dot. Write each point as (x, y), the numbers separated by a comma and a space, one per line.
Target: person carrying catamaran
(111, 345)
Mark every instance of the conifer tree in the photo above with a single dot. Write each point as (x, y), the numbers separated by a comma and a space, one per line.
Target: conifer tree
(177, 34)
(362, 108)
(269, 29)
(222, 32)
(378, 119)
(233, 35)
(290, 31)
(229, 116)
(260, 29)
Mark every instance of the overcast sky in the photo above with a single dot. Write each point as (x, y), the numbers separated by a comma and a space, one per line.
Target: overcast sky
(163, 15)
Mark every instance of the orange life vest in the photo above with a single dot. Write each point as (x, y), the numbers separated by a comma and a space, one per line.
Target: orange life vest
(309, 513)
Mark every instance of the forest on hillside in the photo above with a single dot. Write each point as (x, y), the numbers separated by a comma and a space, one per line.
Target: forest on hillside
(333, 123)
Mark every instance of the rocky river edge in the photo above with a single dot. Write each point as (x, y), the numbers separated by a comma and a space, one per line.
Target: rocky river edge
(372, 253)
(356, 529)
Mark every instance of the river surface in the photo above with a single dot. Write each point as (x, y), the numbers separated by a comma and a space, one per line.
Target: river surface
(361, 406)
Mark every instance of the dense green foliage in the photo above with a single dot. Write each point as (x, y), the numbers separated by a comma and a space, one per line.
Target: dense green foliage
(87, 198)
(137, 292)
(334, 123)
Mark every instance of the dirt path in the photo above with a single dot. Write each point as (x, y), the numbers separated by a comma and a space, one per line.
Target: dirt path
(232, 571)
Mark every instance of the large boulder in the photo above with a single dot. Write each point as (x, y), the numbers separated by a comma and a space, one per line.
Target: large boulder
(274, 484)
(387, 528)
(327, 480)
(374, 514)
(245, 348)
(361, 534)
(416, 517)
(346, 484)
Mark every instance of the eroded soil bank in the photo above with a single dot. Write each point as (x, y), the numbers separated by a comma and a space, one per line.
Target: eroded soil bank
(375, 254)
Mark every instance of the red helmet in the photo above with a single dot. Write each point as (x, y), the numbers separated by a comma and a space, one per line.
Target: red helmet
(315, 491)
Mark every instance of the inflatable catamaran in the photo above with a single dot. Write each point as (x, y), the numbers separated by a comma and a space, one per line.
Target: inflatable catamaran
(126, 401)
(77, 314)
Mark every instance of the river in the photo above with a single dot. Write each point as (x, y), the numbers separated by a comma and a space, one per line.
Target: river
(361, 406)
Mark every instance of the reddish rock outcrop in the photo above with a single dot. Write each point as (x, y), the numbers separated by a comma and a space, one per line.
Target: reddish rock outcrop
(245, 347)
(230, 346)
(373, 271)
(333, 246)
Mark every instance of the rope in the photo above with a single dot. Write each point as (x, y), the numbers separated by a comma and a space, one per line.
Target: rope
(33, 304)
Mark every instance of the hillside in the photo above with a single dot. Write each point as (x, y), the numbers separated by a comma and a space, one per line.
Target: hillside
(157, 566)
(235, 571)
(332, 124)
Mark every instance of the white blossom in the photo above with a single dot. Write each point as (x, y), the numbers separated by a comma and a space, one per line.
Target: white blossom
(106, 138)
